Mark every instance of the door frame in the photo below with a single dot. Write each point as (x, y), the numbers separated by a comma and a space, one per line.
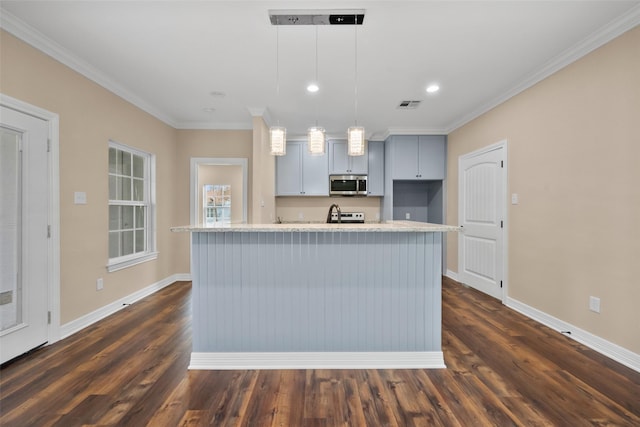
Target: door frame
(53, 246)
(503, 144)
(216, 161)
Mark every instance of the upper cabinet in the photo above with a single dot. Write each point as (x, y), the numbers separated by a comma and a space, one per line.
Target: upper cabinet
(301, 174)
(418, 157)
(375, 180)
(340, 163)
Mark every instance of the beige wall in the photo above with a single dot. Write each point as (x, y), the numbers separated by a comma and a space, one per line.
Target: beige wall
(89, 117)
(264, 175)
(574, 160)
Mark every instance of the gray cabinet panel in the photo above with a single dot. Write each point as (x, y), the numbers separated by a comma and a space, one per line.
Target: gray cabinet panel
(341, 163)
(301, 174)
(375, 180)
(315, 176)
(418, 157)
(289, 171)
(405, 156)
(431, 156)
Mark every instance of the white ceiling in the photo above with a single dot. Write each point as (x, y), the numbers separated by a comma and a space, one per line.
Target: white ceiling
(168, 57)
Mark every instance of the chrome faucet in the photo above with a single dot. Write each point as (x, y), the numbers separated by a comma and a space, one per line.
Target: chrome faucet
(331, 210)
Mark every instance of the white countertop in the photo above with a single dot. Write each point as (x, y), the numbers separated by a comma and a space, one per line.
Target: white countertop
(390, 226)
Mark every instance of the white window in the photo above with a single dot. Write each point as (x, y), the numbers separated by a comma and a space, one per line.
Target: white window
(131, 206)
(217, 204)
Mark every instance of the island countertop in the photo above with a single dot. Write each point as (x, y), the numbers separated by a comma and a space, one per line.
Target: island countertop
(389, 226)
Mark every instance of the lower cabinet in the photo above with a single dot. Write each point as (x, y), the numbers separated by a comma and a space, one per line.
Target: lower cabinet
(300, 174)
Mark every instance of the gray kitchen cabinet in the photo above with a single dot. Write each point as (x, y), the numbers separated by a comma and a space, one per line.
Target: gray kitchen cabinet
(418, 157)
(340, 163)
(301, 174)
(375, 179)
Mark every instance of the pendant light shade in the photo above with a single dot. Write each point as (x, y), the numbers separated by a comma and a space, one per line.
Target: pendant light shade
(278, 140)
(355, 141)
(315, 141)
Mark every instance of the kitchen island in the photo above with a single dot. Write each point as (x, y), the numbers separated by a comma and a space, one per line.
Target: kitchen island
(305, 296)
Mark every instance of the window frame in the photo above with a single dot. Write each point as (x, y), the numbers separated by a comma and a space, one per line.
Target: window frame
(149, 201)
(225, 196)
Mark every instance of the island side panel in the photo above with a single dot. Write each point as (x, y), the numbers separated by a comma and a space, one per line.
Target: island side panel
(316, 291)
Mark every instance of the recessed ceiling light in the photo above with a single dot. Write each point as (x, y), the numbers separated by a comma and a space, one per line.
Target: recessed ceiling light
(209, 109)
(313, 87)
(217, 94)
(433, 88)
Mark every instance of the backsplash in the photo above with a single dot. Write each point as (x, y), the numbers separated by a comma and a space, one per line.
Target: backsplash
(314, 209)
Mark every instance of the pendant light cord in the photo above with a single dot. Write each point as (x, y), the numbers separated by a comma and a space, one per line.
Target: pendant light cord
(278, 69)
(316, 78)
(355, 107)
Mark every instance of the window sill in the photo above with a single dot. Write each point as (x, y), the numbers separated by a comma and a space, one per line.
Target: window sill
(120, 264)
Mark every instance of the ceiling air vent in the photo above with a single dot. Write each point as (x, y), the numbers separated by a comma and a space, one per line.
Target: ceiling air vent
(408, 105)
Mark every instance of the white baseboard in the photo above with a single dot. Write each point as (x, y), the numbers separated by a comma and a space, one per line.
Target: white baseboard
(609, 349)
(452, 275)
(318, 360)
(88, 319)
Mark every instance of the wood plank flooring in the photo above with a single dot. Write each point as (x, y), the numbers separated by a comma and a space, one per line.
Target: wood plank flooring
(503, 370)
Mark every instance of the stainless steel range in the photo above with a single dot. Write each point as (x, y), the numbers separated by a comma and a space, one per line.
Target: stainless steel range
(348, 217)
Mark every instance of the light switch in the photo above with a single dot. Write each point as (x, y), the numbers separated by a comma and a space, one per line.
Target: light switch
(514, 198)
(80, 198)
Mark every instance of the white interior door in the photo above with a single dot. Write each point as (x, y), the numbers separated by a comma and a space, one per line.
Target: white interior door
(24, 211)
(481, 207)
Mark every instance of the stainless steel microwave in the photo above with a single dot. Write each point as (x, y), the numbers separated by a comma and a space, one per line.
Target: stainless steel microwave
(347, 185)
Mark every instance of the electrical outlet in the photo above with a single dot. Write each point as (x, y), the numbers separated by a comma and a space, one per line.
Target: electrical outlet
(514, 198)
(407, 216)
(594, 304)
(99, 284)
(300, 215)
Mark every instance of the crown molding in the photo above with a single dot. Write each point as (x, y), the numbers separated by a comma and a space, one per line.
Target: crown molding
(604, 35)
(29, 35)
(213, 126)
(381, 136)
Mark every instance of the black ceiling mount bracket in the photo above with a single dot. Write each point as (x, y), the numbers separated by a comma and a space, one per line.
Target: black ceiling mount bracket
(316, 17)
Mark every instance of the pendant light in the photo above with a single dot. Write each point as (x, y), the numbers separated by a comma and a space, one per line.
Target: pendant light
(355, 134)
(315, 134)
(278, 134)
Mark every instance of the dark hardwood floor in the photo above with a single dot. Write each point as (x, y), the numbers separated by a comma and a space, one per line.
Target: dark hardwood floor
(503, 369)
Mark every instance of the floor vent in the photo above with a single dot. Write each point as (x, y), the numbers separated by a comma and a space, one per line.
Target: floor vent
(409, 105)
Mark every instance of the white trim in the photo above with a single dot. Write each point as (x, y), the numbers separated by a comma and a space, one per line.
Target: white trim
(214, 126)
(131, 261)
(600, 37)
(500, 145)
(195, 191)
(53, 120)
(318, 360)
(607, 348)
(452, 275)
(90, 318)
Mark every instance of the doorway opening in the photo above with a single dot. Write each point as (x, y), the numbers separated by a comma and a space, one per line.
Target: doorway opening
(218, 191)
